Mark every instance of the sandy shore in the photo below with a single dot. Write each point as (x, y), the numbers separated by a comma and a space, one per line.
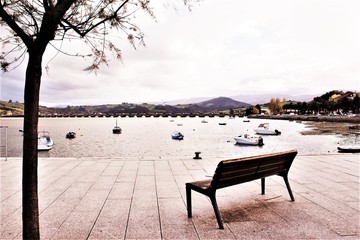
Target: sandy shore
(321, 125)
(331, 128)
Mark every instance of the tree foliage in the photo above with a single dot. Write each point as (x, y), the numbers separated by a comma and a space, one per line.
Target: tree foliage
(333, 102)
(276, 105)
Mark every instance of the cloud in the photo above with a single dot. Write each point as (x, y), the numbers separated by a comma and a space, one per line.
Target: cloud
(222, 48)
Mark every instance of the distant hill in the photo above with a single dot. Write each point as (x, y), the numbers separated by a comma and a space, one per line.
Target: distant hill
(265, 98)
(198, 105)
(184, 101)
(222, 103)
(11, 108)
(250, 99)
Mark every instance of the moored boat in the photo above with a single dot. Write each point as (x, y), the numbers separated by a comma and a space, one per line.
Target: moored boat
(247, 139)
(349, 149)
(70, 135)
(116, 129)
(177, 135)
(264, 129)
(45, 142)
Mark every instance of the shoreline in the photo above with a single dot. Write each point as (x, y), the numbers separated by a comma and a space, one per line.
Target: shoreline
(313, 118)
(321, 125)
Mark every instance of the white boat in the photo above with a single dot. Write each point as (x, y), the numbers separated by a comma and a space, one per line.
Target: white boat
(177, 135)
(263, 129)
(247, 139)
(116, 129)
(45, 142)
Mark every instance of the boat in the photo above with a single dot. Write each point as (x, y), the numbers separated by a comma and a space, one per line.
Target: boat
(263, 129)
(349, 149)
(45, 142)
(177, 135)
(116, 129)
(70, 135)
(204, 121)
(247, 139)
(222, 123)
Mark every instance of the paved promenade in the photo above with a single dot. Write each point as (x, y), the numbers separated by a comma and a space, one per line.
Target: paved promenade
(110, 198)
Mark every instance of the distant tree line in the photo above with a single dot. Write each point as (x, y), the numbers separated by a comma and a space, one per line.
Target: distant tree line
(333, 102)
(343, 106)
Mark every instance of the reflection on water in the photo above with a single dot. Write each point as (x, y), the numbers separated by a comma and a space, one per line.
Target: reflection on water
(151, 137)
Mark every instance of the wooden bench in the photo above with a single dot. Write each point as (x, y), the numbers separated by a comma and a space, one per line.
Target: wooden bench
(241, 170)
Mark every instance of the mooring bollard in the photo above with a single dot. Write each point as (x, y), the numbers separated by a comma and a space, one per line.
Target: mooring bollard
(197, 155)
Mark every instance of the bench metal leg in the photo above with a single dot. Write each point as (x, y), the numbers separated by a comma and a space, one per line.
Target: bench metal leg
(262, 186)
(288, 187)
(188, 201)
(216, 210)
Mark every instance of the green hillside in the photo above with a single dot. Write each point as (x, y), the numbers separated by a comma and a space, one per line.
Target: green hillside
(11, 108)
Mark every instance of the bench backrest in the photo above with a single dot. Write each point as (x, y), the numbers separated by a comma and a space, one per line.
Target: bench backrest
(235, 171)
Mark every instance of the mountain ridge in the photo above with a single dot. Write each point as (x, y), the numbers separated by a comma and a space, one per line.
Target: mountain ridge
(203, 105)
(222, 103)
(250, 99)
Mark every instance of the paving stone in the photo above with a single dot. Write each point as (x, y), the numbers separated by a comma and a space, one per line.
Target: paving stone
(145, 198)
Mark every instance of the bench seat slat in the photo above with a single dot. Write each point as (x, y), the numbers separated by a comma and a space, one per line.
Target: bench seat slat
(230, 182)
(239, 172)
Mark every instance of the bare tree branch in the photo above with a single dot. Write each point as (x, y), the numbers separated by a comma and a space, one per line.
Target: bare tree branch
(14, 26)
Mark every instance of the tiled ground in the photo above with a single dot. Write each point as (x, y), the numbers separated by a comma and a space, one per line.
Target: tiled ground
(145, 199)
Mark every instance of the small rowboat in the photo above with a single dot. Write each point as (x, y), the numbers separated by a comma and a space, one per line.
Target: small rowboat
(349, 149)
(70, 135)
(177, 135)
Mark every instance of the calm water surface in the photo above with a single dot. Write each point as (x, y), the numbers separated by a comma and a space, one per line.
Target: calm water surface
(151, 137)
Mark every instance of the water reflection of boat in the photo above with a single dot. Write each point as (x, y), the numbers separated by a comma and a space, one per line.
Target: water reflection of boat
(116, 129)
(247, 139)
(177, 135)
(45, 142)
(70, 135)
(263, 129)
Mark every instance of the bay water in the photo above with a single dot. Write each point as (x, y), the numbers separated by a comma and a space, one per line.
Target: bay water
(149, 138)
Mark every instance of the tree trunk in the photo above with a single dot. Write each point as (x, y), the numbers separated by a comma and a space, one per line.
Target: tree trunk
(30, 203)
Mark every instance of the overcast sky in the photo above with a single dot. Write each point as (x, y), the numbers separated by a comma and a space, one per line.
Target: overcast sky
(220, 48)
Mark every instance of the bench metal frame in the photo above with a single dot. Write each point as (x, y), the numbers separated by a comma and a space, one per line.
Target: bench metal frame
(241, 170)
